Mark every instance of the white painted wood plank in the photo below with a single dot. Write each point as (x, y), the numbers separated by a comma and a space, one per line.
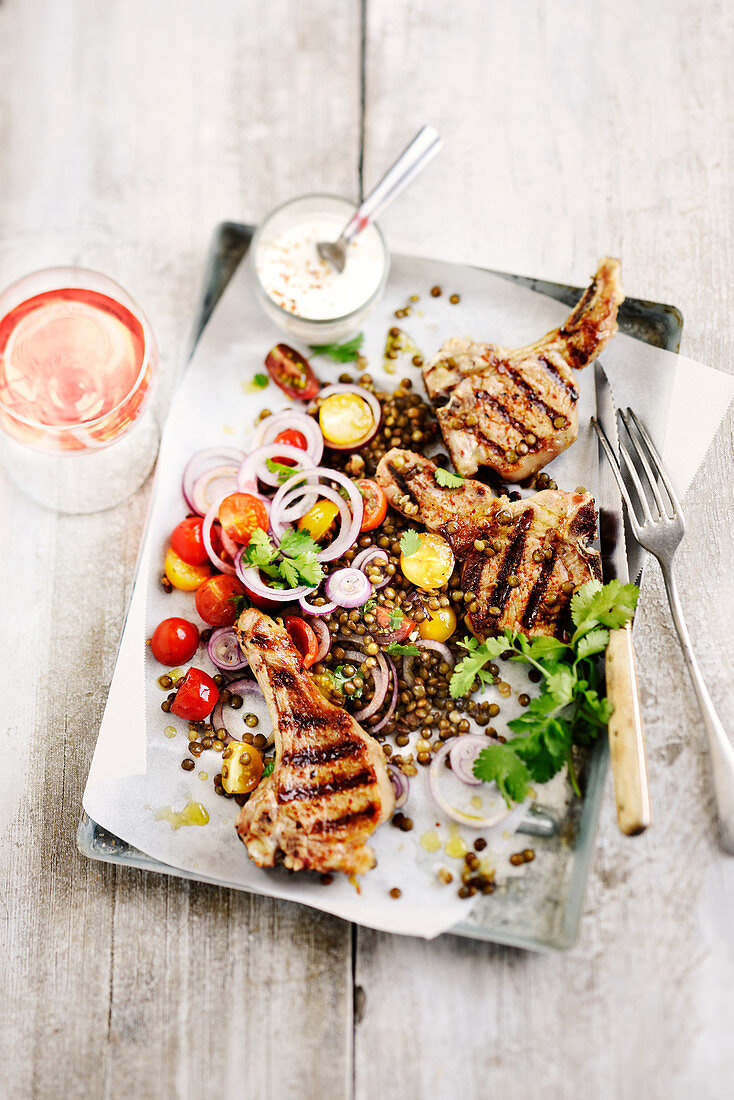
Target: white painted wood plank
(126, 132)
(573, 130)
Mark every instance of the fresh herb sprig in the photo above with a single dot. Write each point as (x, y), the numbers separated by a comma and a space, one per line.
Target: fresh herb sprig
(447, 479)
(569, 710)
(294, 562)
(396, 649)
(283, 471)
(410, 543)
(340, 353)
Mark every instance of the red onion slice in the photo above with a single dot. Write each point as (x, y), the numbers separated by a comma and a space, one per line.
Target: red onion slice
(213, 486)
(375, 409)
(400, 785)
(202, 463)
(314, 609)
(434, 778)
(250, 577)
(394, 699)
(206, 534)
(224, 650)
(348, 588)
(381, 677)
(284, 508)
(463, 754)
(371, 554)
(323, 635)
(254, 467)
(281, 512)
(227, 718)
(290, 419)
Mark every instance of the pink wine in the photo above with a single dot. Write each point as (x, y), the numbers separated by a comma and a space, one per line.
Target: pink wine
(71, 359)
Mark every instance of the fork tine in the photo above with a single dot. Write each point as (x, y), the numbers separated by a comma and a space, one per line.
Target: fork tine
(616, 470)
(634, 477)
(640, 453)
(658, 462)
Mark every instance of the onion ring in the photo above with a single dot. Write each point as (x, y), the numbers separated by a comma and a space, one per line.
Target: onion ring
(290, 419)
(400, 785)
(369, 398)
(201, 463)
(241, 687)
(471, 820)
(206, 534)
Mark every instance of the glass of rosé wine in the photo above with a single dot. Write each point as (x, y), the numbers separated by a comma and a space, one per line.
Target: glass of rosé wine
(77, 363)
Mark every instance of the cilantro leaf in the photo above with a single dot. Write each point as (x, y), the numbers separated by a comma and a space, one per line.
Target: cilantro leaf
(396, 619)
(593, 642)
(240, 603)
(309, 568)
(340, 353)
(368, 607)
(290, 573)
(260, 551)
(543, 750)
(499, 763)
(471, 668)
(410, 543)
(261, 381)
(283, 470)
(609, 605)
(395, 649)
(447, 479)
(268, 769)
(295, 542)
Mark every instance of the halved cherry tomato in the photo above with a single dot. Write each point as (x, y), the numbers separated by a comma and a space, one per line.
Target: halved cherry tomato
(181, 574)
(346, 420)
(319, 519)
(394, 625)
(431, 565)
(289, 370)
(174, 641)
(239, 515)
(438, 625)
(303, 638)
(293, 438)
(374, 502)
(197, 696)
(214, 600)
(187, 541)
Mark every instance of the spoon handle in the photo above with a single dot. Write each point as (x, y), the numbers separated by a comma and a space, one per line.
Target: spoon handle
(411, 161)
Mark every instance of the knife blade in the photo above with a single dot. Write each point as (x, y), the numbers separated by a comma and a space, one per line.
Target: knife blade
(626, 739)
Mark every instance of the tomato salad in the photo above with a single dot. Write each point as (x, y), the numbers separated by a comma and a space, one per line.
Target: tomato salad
(299, 527)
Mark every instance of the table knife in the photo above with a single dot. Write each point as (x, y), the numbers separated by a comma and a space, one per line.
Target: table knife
(626, 740)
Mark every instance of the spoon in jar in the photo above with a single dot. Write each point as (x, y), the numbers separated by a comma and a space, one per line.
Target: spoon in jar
(413, 160)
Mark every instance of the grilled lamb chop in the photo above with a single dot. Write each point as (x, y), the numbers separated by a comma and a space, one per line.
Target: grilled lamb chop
(536, 551)
(515, 410)
(329, 789)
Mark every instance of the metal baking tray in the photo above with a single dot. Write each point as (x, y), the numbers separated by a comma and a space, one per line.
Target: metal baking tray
(542, 910)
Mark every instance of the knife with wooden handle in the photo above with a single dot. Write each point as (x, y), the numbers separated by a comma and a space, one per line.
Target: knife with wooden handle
(626, 739)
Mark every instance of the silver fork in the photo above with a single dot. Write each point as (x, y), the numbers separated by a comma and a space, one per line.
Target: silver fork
(661, 533)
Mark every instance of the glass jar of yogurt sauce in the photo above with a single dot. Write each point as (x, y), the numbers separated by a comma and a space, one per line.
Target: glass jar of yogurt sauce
(301, 292)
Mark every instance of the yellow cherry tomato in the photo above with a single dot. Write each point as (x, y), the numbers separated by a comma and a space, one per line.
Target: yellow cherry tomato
(182, 575)
(345, 419)
(431, 565)
(438, 625)
(242, 768)
(318, 520)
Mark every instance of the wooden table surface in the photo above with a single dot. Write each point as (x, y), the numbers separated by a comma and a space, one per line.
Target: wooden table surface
(127, 131)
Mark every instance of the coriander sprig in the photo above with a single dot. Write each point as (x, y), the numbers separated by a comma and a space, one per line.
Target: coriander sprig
(340, 353)
(294, 562)
(569, 710)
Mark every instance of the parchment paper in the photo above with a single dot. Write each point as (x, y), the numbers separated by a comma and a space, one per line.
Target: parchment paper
(136, 769)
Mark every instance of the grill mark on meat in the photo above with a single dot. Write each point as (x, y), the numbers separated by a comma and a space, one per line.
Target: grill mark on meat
(308, 722)
(511, 561)
(345, 820)
(260, 640)
(538, 591)
(321, 755)
(332, 786)
(281, 677)
(472, 572)
(532, 395)
(504, 413)
(402, 482)
(556, 375)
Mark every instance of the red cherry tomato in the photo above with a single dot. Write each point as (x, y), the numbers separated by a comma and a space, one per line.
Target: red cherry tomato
(392, 628)
(187, 541)
(293, 438)
(197, 696)
(374, 502)
(174, 641)
(239, 515)
(261, 602)
(292, 373)
(215, 599)
(303, 638)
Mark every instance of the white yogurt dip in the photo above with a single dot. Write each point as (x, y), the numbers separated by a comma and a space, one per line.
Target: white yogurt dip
(294, 276)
